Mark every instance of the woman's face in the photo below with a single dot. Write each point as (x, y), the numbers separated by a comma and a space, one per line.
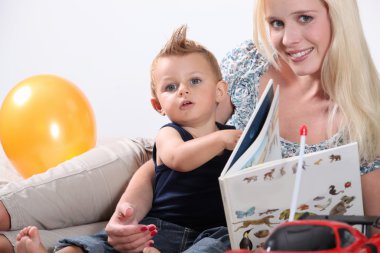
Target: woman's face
(300, 31)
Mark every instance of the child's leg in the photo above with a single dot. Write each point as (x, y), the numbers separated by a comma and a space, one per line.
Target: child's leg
(5, 245)
(28, 241)
(4, 218)
(49, 238)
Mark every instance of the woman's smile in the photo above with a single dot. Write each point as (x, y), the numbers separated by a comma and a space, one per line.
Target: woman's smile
(299, 55)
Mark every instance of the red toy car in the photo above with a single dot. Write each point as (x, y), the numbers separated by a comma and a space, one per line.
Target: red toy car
(322, 236)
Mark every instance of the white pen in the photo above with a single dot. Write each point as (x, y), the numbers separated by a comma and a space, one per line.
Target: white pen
(297, 183)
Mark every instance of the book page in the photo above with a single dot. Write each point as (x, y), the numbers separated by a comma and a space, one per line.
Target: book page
(267, 146)
(262, 123)
(258, 198)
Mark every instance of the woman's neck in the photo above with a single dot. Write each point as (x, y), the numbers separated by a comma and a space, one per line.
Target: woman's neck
(302, 101)
(299, 87)
(307, 87)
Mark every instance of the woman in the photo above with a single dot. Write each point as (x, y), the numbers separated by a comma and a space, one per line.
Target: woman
(328, 81)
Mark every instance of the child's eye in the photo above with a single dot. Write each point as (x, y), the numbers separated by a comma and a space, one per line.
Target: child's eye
(171, 87)
(195, 81)
(305, 19)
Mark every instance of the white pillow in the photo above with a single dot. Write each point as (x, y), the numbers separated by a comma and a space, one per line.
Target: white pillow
(7, 171)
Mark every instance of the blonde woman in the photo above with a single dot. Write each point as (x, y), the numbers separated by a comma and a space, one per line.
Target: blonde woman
(315, 50)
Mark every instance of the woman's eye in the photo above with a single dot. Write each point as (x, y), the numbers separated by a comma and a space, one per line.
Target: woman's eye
(276, 23)
(195, 81)
(305, 19)
(171, 87)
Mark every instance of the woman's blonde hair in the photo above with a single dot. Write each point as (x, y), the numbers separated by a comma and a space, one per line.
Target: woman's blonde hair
(348, 75)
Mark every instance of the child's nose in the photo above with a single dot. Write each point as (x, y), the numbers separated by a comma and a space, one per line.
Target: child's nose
(183, 90)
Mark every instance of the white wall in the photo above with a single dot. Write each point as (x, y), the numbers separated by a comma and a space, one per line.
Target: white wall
(105, 47)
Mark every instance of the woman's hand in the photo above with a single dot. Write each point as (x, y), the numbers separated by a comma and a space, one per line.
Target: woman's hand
(124, 232)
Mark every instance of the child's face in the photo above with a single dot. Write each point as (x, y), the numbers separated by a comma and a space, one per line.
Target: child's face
(186, 88)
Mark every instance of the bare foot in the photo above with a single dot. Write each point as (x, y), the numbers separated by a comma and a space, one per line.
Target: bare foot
(149, 250)
(28, 241)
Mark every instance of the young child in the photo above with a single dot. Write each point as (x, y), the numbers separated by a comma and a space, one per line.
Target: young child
(189, 155)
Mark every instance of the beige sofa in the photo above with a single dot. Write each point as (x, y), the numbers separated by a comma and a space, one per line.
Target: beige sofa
(7, 171)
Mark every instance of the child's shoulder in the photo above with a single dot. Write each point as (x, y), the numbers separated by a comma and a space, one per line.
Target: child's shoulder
(170, 129)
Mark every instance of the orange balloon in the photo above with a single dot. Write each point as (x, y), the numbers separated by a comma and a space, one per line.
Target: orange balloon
(45, 120)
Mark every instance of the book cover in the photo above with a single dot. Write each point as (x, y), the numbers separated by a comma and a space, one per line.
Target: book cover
(260, 139)
(257, 187)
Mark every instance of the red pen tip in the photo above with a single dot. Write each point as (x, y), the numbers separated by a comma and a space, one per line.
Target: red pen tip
(303, 130)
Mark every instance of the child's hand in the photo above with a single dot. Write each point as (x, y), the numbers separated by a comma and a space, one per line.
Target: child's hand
(230, 138)
(124, 232)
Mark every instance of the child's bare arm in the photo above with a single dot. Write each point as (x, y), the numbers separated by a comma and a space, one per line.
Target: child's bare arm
(186, 156)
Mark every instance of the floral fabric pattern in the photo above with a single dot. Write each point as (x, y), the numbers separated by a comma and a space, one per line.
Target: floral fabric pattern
(242, 68)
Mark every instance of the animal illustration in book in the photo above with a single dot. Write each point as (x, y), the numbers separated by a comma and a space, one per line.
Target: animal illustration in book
(260, 245)
(269, 175)
(303, 207)
(318, 198)
(254, 222)
(334, 158)
(318, 162)
(265, 220)
(294, 168)
(269, 211)
(250, 179)
(347, 185)
(242, 214)
(341, 207)
(245, 242)
(333, 190)
(284, 215)
(323, 206)
(262, 233)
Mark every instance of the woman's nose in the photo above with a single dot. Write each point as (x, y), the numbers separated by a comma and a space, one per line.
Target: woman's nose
(291, 36)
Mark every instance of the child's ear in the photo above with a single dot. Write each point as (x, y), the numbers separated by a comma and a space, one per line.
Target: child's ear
(157, 106)
(221, 90)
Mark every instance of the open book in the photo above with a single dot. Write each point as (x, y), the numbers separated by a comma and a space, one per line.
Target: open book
(257, 184)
